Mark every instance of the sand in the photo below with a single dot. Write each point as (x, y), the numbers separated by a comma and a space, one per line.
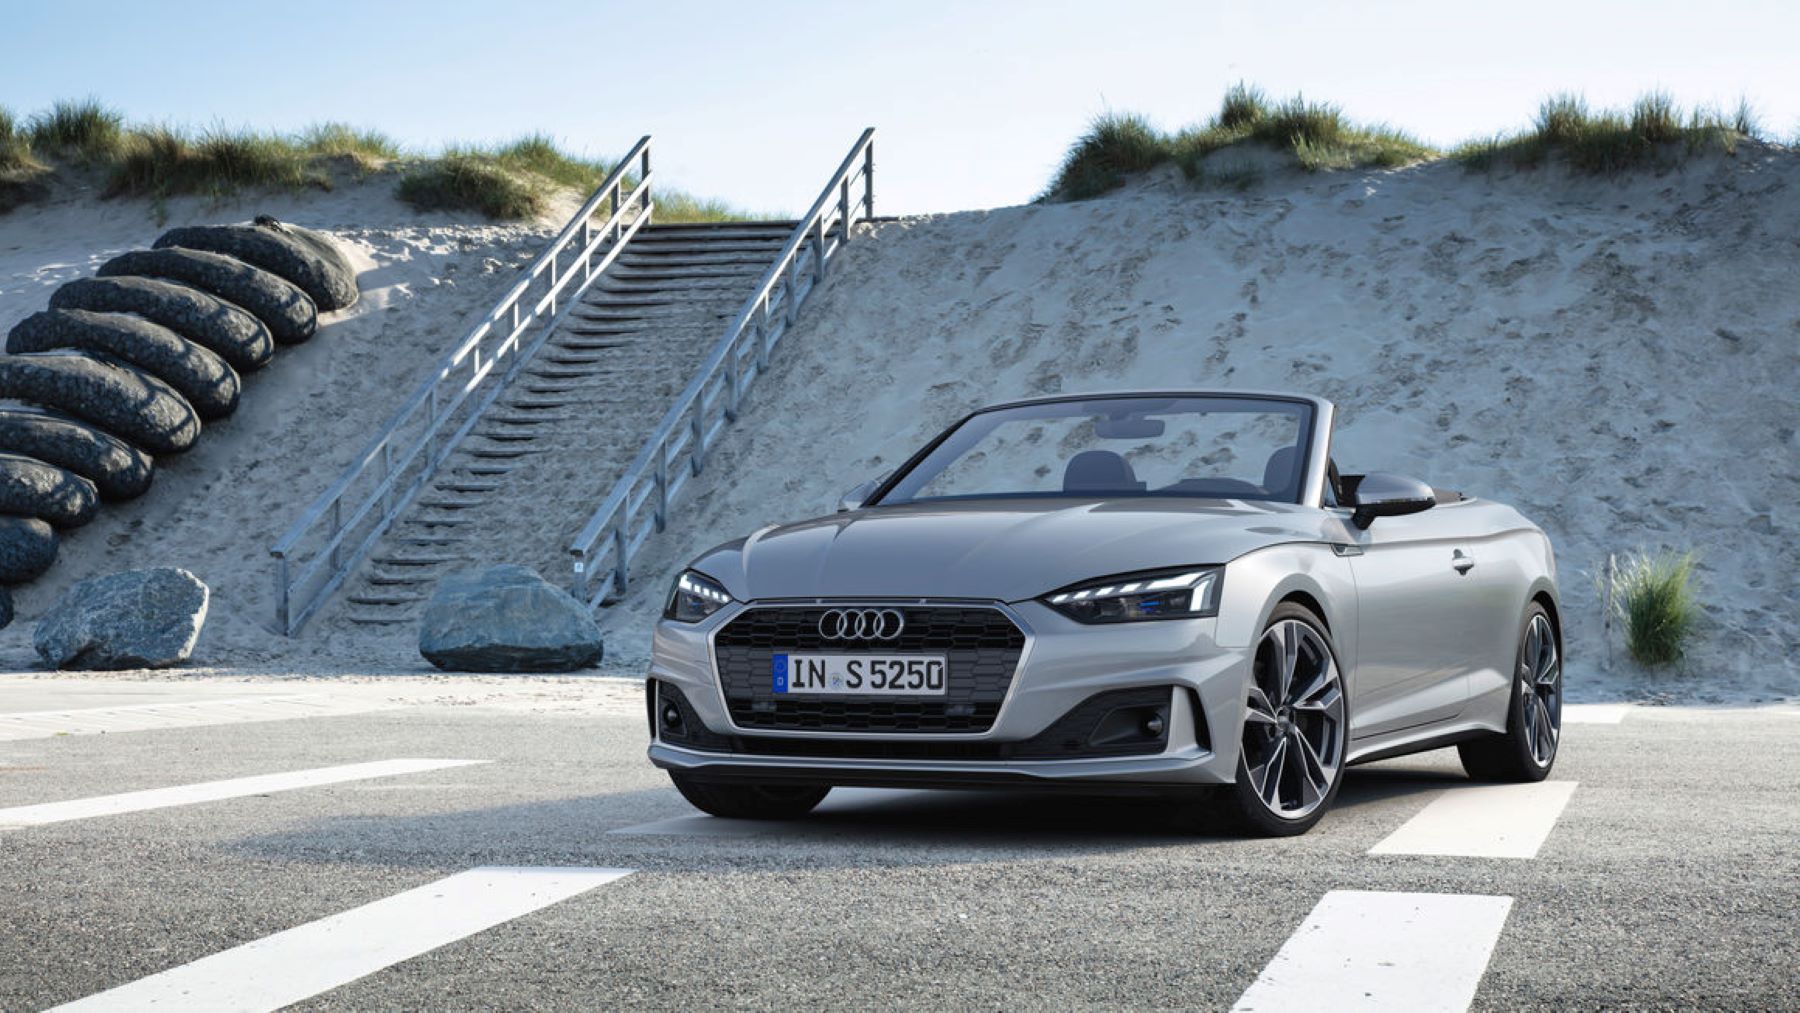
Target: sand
(1617, 358)
(216, 509)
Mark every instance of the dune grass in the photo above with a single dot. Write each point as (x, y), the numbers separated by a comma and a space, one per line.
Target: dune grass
(1316, 134)
(1653, 600)
(514, 180)
(1652, 132)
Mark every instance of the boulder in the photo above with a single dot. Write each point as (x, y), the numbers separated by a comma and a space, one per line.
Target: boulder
(506, 619)
(27, 548)
(119, 398)
(135, 619)
(270, 245)
(231, 331)
(289, 313)
(118, 470)
(194, 371)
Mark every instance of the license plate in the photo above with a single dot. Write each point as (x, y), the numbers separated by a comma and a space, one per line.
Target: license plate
(864, 674)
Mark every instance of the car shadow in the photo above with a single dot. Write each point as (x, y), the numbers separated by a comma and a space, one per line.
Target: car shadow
(858, 827)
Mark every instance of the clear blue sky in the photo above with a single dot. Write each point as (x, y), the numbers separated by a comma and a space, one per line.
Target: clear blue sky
(974, 101)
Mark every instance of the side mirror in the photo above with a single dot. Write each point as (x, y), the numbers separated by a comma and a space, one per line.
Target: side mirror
(1384, 494)
(855, 498)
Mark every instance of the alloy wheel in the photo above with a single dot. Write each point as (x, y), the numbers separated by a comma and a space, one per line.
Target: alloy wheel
(1294, 726)
(1540, 690)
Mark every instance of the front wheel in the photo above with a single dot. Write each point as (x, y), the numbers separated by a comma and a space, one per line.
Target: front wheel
(1292, 760)
(739, 801)
(1527, 749)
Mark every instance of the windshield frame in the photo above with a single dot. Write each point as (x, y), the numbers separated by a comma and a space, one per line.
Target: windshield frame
(1314, 442)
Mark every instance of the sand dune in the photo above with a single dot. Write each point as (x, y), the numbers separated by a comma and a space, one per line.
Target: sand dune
(1618, 358)
(216, 509)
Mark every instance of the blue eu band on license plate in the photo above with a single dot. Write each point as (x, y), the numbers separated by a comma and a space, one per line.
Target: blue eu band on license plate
(859, 674)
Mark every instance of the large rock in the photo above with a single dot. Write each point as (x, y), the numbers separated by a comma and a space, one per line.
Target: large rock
(115, 396)
(196, 372)
(327, 279)
(288, 312)
(506, 619)
(201, 317)
(135, 619)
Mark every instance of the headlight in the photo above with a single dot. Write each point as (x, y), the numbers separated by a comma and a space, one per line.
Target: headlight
(1188, 593)
(694, 597)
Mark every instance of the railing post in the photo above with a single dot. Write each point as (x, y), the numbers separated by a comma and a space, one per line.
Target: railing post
(337, 529)
(281, 595)
(868, 182)
(697, 457)
(843, 213)
(819, 249)
(620, 541)
(662, 486)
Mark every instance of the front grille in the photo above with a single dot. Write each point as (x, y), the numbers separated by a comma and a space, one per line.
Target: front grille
(981, 644)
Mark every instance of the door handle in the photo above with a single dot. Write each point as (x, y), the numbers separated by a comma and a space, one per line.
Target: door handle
(1461, 563)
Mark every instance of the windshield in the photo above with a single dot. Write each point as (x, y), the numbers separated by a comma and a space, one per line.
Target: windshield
(1210, 447)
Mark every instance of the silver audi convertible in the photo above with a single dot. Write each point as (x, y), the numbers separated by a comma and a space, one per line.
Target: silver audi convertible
(1133, 592)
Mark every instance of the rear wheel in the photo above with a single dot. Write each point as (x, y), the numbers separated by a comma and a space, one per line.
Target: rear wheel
(1292, 757)
(1527, 749)
(740, 801)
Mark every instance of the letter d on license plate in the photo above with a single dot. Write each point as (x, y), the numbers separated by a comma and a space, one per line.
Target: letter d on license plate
(861, 674)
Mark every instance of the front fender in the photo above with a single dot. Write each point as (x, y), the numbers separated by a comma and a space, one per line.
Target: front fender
(1258, 581)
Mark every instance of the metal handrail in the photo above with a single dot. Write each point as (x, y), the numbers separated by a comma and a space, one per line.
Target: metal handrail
(712, 398)
(335, 531)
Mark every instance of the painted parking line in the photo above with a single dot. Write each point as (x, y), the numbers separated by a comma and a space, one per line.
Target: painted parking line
(304, 961)
(177, 714)
(1594, 713)
(1388, 951)
(1482, 821)
(213, 791)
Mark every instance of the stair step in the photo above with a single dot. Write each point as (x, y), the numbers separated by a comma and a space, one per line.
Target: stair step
(384, 620)
(385, 599)
(506, 453)
(590, 346)
(379, 579)
(447, 503)
(474, 488)
(418, 561)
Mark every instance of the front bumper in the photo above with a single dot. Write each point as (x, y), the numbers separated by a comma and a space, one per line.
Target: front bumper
(1064, 664)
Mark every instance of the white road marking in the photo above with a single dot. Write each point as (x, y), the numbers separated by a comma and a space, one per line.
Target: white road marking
(177, 714)
(1387, 951)
(1482, 821)
(1594, 713)
(213, 791)
(304, 961)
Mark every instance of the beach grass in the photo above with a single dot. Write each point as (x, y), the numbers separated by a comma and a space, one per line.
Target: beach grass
(1316, 135)
(1653, 132)
(507, 181)
(1653, 600)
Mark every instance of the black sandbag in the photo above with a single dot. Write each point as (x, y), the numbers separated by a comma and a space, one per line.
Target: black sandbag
(197, 374)
(226, 328)
(328, 281)
(289, 313)
(27, 548)
(31, 488)
(6, 608)
(118, 470)
(119, 398)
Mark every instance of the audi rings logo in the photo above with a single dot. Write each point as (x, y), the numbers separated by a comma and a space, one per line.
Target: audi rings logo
(861, 624)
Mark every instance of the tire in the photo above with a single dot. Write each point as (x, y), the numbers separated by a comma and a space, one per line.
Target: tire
(750, 801)
(289, 313)
(197, 374)
(123, 400)
(227, 329)
(27, 548)
(118, 470)
(1307, 714)
(1526, 751)
(328, 281)
(31, 488)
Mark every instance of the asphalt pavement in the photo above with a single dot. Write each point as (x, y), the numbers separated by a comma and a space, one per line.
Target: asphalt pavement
(341, 860)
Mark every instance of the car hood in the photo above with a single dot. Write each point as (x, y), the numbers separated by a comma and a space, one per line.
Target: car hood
(1008, 550)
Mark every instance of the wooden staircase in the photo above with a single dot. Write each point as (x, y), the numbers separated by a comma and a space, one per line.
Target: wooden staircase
(565, 430)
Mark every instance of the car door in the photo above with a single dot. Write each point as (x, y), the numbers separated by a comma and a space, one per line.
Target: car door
(1417, 583)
